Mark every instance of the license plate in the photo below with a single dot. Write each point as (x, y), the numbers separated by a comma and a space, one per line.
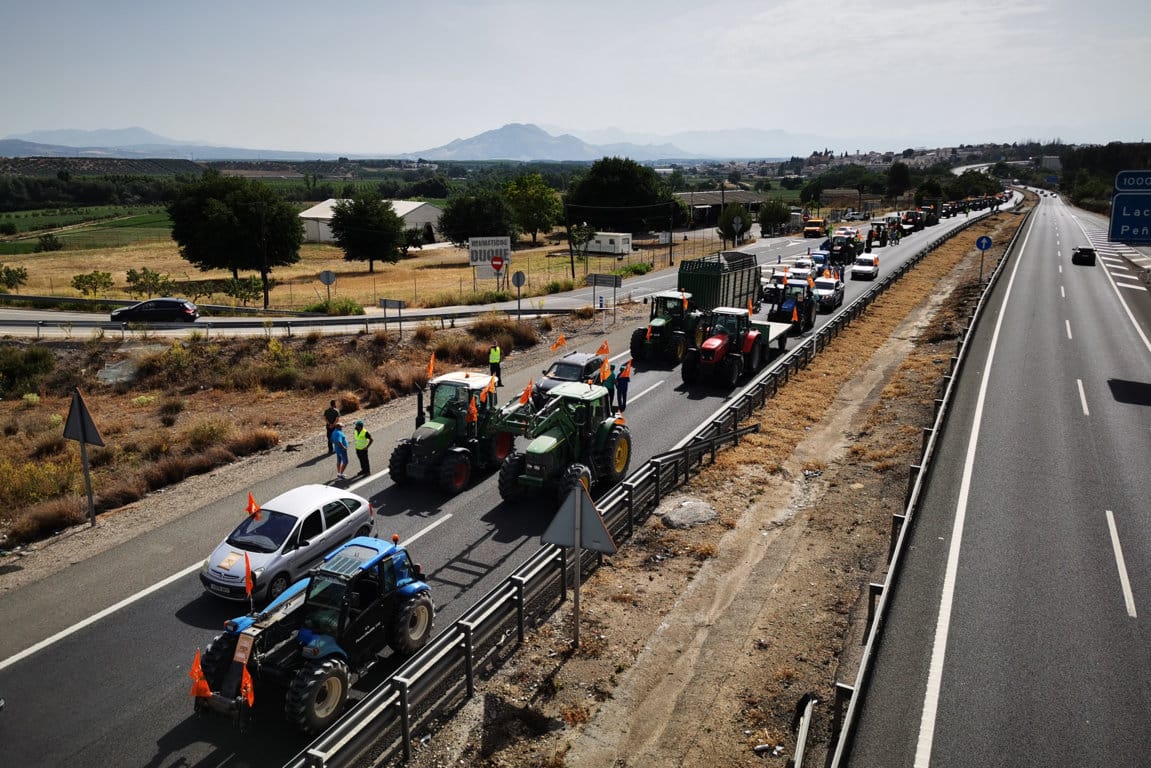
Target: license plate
(243, 648)
(217, 588)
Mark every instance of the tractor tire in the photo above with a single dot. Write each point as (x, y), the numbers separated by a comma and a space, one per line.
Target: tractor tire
(689, 371)
(639, 343)
(398, 463)
(455, 472)
(412, 625)
(730, 370)
(616, 456)
(574, 476)
(503, 443)
(510, 471)
(217, 659)
(317, 695)
(678, 348)
(755, 359)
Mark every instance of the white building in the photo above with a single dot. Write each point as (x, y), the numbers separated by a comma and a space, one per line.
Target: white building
(414, 214)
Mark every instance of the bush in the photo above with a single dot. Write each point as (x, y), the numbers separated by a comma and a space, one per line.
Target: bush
(339, 306)
(46, 518)
(506, 330)
(48, 242)
(208, 432)
(425, 332)
(463, 350)
(559, 286)
(253, 440)
(639, 268)
(22, 369)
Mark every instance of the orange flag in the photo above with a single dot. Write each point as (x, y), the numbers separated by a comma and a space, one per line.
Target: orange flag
(647, 336)
(489, 389)
(683, 297)
(604, 370)
(253, 508)
(432, 365)
(750, 311)
(473, 412)
(561, 341)
(795, 314)
(246, 689)
(247, 575)
(200, 687)
(603, 349)
(527, 395)
(626, 372)
(810, 282)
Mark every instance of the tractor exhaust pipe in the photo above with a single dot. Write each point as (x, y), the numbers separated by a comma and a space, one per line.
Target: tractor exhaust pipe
(419, 408)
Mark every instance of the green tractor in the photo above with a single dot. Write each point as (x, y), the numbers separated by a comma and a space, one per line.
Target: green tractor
(576, 439)
(671, 330)
(449, 447)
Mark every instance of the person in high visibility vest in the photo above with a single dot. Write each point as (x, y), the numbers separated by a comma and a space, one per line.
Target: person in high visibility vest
(362, 439)
(494, 357)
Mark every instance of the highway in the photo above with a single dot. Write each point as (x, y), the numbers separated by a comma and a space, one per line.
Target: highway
(1018, 632)
(94, 660)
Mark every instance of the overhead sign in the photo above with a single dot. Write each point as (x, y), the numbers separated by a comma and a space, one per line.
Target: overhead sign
(983, 243)
(1133, 181)
(482, 250)
(578, 522)
(1131, 218)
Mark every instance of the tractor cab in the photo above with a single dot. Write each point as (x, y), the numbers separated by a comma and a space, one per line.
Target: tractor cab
(669, 304)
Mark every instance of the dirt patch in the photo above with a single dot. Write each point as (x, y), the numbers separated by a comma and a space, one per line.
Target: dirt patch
(698, 643)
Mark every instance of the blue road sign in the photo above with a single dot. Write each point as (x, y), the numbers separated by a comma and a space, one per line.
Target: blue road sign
(1131, 218)
(983, 243)
(1133, 181)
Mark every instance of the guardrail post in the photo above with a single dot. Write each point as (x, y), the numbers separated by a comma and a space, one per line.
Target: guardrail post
(938, 408)
(563, 574)
(927, 432)
(843, 694)
(402, 685)
(629, 500)
(469, 662)
(953, 364)
(912, 476)
(520, 584)
(897, 521)
(873, 592)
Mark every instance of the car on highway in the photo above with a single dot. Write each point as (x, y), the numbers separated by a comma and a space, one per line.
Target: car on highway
(283, 539)
(801, 269)
(828, 293)
(865, 268)
(165, 310)
(574, 366)
(1083, 255)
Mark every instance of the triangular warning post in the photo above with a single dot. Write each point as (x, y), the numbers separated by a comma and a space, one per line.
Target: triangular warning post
(593, 532)
(79, 425)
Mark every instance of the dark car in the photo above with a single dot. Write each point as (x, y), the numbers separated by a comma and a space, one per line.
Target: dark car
(1083, 255)
(574, 366)
(157, 311)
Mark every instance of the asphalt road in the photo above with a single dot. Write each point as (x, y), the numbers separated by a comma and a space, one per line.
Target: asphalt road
(1018, 631)
(95, 672)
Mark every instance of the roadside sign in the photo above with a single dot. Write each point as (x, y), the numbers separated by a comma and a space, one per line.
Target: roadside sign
(497, 262)
(392, 303)
(983, 243)
(1130, 218)
(1133, 181)
(482, 251)
(327, 277)
(518, 279)
(80, 427)
(604, 279)
(591, 531)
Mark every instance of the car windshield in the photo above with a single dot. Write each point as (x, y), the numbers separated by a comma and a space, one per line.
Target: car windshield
(864, 261)
(565, 371)
(326, 592)
(825, 285)
(267, 534)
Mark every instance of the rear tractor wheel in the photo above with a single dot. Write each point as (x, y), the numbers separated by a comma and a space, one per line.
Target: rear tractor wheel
(510, 472)
(317, 695)
(398, 463)
(455, 473)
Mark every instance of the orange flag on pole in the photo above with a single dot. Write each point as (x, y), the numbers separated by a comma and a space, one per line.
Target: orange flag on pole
(561, 341)
(200, 687)
(246, 690)
(473, 412)
(750, 311)
(603, 349)
(795, 314)
(626, 372)
(432, 365)
(253, 508)
(247, 575)
(647, 336)
(489, 389)
(683, 297)
(527, 394)
(604, 370)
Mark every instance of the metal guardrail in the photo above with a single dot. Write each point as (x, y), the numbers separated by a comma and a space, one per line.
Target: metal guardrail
(843, 733)
(441, 677)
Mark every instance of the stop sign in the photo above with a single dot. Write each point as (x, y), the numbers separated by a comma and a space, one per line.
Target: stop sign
(497, 263)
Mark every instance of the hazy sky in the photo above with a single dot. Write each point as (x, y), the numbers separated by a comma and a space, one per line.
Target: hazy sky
(384, 76)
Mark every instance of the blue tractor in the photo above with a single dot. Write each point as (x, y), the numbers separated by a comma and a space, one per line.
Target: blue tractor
(319, 636)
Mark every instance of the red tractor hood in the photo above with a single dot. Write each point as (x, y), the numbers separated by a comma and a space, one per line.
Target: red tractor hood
(715, 342)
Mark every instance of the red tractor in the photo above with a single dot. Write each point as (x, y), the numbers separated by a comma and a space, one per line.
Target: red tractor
(733, 345)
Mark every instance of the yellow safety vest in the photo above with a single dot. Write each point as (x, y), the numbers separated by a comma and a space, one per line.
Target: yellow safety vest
(494, 355)
(361, 436)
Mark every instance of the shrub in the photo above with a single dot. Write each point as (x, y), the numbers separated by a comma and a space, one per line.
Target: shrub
(338, 306)
(120, 490)
(253, 440)
(350, 373)
(559, 286)
(22, 369)
(31, 400)
(348, 402)
(378, 392)
(639, 268)
(144, 400)
(49, 445)
(208, 432)
(461, 349)
(170, 406)
(405, 379)
(585, 312)
(424, 333)
(46, 518)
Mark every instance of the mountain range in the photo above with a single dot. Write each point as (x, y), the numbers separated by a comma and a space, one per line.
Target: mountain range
(515, 141)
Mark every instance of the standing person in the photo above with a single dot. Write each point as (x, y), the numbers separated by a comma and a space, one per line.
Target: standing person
(340, 442)
(494, 357)
(362, 439)
(621, 383)
(609, 384)
(331, 416)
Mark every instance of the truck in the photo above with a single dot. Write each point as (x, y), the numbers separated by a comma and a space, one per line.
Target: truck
(727, 278)
(815, 228)
(735, 345)
(453, 444)
(309, 645)
(576, 439)
(617, 243)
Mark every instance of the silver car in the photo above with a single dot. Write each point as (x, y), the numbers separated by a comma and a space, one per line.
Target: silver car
(294, 531)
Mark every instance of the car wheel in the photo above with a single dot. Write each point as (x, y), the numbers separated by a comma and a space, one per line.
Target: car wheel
(278, 585)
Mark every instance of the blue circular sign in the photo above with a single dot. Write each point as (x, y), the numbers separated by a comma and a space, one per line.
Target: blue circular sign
(983, 243)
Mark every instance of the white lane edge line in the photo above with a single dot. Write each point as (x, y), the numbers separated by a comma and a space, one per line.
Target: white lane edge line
(1062, 293)
(1124, 582)
(427, 529)
(649, 389)
(1068, 322)
(1082, 397)
(943, 622)
(1118, 295)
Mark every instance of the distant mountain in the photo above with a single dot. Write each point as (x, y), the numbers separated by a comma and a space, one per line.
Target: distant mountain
(12, 147)
(102, 137)
(526, 142)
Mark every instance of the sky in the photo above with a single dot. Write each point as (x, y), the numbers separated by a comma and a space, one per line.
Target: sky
(394, 77)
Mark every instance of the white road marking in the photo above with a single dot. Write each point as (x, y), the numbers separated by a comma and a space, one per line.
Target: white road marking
(367, 480)
(649, 389)
(429, 528)
(1061, 269)
(1130, 286)
(943, 622)
(1068, 322)
(1127, 309)
(1083, 398)
(1124, 582)
(1062, 293)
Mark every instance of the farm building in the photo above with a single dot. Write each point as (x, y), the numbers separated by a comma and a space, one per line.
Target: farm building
(414, 214)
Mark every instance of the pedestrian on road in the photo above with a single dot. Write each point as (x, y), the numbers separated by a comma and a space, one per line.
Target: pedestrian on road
(362, 438)
(340, 443)
(609, 384)
(621, 383)
(494, 357)
(331, 416)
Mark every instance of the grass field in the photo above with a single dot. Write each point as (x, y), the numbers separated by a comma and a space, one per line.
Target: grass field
(87, 228)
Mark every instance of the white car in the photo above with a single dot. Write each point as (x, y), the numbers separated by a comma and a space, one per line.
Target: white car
(293, 533)
(865, 268)
(801, 269)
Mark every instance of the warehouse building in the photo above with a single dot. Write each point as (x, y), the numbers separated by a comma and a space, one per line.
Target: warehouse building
(414, 214)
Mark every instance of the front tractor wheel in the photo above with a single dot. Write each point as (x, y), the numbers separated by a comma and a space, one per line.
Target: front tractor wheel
(412, 625)
(502, 445)
(678, 348)
(317, 695)
(731, 370)
(398, 464)
(510, 471)
(574, 476)
(639, 343)
(689, 371)
(455, 473)
(617, 455)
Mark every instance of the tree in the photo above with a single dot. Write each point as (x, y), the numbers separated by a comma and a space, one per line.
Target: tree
(898, 179)
(148, 283)
(726, 227)
(618, 195)
(12, 278)
(578, 238)
(534, 204)
(368, 229)
(812, 192)
(243, 291)
(232, 223)
(92, 283)
(772, 214)
(483, 214)
(48, 242)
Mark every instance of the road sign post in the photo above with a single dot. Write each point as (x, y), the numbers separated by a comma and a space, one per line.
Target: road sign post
(578, 524)
(518, 280)
(80, 427)
(386, 304)
(984, 245)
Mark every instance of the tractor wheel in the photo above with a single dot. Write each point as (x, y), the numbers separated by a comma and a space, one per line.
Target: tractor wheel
(398, 464)
(639, 343)
(217, 659)
(412, 625)
(616, 456)
(503, 443)
(730, 370)
(278, 585)
(690, 368)
(316, 695)
(678, 348)
(755, 360)
(455, 473)
(510, 471)
(574, 476)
